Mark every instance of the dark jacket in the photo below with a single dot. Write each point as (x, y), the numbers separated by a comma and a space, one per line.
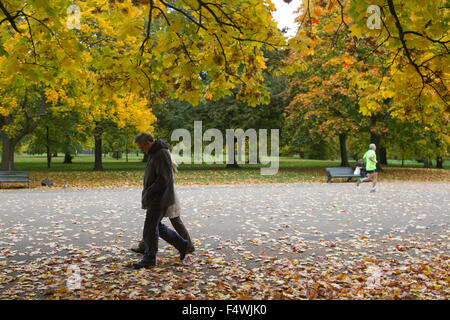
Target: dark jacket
(158, 179)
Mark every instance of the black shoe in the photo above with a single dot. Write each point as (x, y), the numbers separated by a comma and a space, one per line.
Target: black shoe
(143, 264)
(137, 250)
(140, 248)
(184, 250)
(190, 248)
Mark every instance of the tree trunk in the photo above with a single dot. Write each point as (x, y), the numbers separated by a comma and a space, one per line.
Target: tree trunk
(383, 156)
(8, 146)
(343, 148)
(49, 156)
(439, 162)
(98, 132)
(67, 158)
(117, 155)
(427, 163)
(234, 164)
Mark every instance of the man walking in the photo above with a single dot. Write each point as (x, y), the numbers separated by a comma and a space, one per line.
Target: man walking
(370, 158)
(157, 195)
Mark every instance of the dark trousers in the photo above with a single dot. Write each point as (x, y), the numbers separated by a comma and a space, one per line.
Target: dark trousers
(153, 229)
(179, 227)
(182, 231)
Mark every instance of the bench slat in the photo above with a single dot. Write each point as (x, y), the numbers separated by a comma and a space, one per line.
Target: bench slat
(344, 176)
(14, 173)
(14, 176)
(12, 179)
(340, 173)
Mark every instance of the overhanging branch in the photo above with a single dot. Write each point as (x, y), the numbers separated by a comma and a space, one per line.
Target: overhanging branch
(9, 17)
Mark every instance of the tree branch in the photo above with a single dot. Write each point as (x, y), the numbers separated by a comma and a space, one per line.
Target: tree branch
(147, 36)
(426, 79)
(443, 43)
(9, 17)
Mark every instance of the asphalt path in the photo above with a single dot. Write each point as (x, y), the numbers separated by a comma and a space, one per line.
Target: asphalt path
(244, 223)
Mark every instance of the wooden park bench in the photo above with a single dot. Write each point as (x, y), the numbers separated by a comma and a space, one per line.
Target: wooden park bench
(14, 176)
(340, 173)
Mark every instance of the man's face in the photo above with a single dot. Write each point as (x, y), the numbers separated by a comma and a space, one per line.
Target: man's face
(144, 147)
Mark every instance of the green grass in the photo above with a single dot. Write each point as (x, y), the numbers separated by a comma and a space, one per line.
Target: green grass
(80, 163)
(119, 173)
(86, 162)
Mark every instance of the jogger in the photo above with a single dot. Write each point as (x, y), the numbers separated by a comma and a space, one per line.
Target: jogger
(371, 167)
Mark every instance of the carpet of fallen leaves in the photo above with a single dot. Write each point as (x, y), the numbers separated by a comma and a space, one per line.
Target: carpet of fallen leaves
(280, 252)
(216, 274)
(204, 176)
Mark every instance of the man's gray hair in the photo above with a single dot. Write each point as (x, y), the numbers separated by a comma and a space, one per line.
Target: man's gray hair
(143, 137)
(372, 146)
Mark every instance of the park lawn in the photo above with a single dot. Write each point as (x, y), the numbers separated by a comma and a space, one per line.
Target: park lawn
(119, 173)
